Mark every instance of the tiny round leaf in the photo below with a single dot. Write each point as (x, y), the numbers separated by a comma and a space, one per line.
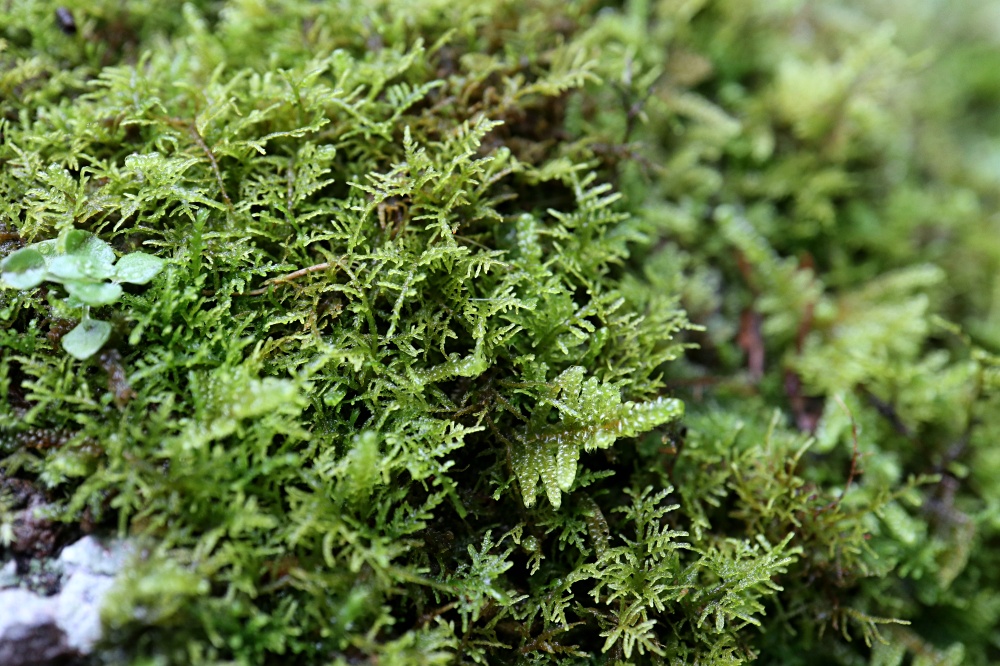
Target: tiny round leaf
(95, 293)
(23, 269)
(64, 268)
(138, 267)
(48, 248)
(85, 244)
(87, 338)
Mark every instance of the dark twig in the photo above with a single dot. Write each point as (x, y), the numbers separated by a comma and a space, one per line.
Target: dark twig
(854, 456)
(678, 448)
(888, 411)
(211, 158)
(282, 279)
(427, 617)
(192, 129)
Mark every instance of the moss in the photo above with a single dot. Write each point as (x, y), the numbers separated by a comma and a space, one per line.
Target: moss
(441, 279)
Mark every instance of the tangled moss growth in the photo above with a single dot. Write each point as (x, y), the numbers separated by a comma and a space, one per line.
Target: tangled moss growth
(441, 279)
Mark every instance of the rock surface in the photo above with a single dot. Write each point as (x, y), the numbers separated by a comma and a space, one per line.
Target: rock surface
(37, 630)
(29, 633)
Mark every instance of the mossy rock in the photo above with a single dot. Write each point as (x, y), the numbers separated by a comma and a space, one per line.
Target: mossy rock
(439, 281)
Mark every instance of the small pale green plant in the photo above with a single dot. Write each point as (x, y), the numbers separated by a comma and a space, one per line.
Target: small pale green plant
(86, 268)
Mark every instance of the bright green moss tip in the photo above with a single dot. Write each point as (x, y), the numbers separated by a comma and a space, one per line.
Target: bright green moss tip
(504, 332)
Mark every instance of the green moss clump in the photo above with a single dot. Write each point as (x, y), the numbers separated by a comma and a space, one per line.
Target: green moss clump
(441, 279)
